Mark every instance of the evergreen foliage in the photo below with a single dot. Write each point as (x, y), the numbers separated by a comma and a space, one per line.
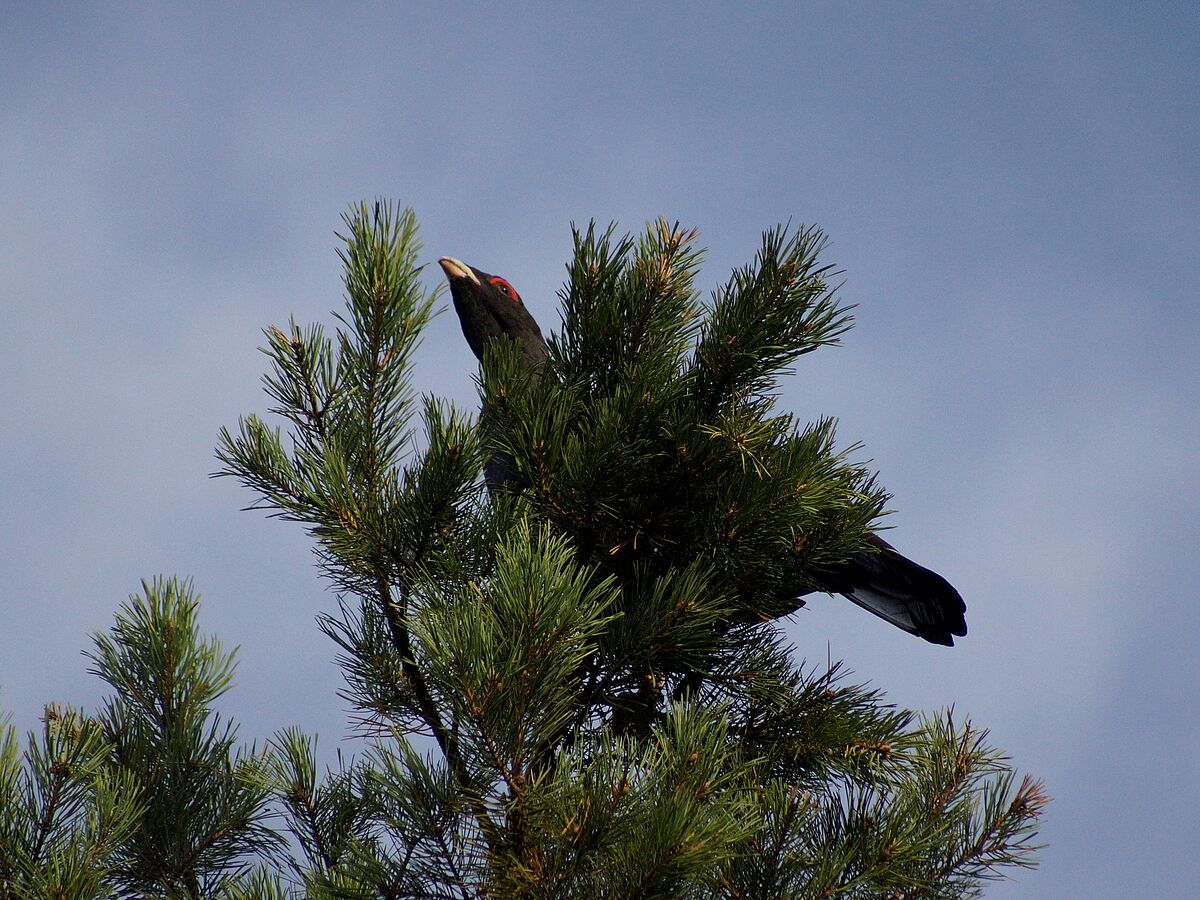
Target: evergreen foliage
(203, 800)
(63, 810)
(594, 652)
(150, 797)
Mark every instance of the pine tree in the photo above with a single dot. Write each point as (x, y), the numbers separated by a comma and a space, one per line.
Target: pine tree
(63, 812)
(150, 797)
(595, 651)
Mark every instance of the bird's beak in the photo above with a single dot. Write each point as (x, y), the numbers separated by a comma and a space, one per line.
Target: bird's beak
(456, 268)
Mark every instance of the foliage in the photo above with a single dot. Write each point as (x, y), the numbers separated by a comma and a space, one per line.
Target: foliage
(595, 650)
(576, 688)
(150, 797)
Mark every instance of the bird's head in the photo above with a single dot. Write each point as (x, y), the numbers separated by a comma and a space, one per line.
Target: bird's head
(489, 307)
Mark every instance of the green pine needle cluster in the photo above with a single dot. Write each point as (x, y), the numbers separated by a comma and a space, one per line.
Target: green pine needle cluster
(151, 796)
(576, 688)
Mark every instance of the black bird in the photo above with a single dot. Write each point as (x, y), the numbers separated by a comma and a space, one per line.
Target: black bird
(489, 307)
(882, 581)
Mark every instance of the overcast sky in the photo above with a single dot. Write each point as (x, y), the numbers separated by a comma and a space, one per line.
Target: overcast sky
(1011, 190)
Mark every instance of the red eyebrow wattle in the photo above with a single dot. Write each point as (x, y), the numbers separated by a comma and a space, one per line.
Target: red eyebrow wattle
(497, 280)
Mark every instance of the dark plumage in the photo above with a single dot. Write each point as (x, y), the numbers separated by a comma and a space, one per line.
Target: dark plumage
(904, 593)
(489, 307)
(882, 581)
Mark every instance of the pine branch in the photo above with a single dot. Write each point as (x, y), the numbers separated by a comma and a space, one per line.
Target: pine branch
(765, 317)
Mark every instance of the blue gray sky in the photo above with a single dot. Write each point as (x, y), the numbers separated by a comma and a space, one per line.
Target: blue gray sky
(1011, 190)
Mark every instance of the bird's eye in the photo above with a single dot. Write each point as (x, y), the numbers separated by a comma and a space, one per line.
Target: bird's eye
(506, 289)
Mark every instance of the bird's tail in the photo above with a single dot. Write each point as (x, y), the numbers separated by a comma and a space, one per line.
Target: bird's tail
(898, 590)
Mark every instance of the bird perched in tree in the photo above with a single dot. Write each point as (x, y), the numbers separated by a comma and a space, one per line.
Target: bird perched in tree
(881, 580)
(489, 307)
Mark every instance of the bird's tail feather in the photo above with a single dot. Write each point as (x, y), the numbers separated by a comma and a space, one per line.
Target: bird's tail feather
(904, 593)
